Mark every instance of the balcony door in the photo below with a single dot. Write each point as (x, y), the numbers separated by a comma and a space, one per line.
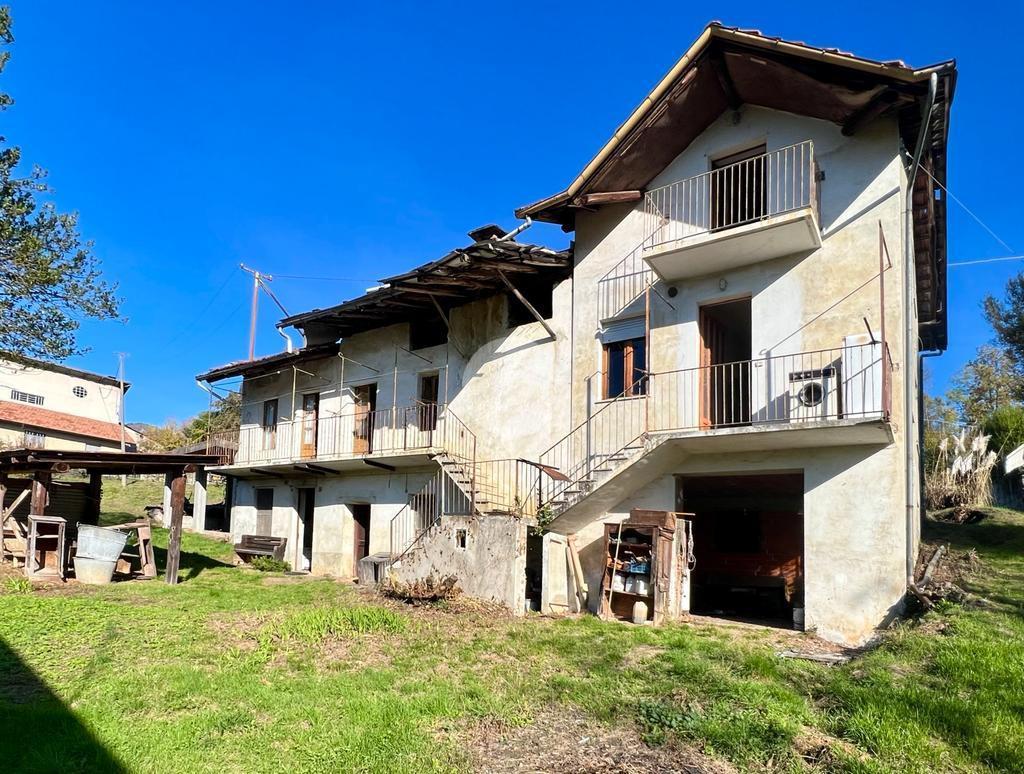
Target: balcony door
(364, 404)
(310, 414)
(738, 188)
(725, 397)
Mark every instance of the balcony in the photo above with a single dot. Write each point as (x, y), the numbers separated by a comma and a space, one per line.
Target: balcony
(407, 435)
(752, 210)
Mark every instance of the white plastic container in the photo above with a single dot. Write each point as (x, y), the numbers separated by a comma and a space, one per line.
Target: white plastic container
(639, 612)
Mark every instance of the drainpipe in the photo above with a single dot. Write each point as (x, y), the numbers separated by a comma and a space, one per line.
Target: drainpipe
(511, 235)
(909, 334)
(287, 339)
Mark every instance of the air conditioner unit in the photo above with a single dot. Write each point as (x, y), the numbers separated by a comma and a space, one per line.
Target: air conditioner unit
(813, 395)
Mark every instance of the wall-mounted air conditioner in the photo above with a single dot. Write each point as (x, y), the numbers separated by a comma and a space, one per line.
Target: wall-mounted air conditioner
(813, 394)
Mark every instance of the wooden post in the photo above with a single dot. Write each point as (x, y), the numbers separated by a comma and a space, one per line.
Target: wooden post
(165, 518)
(199, 501)
(40, 492)
(177, 514)
(95, 497)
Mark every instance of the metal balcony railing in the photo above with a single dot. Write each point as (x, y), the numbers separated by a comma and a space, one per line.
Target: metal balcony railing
(747, 191)
(407, 429)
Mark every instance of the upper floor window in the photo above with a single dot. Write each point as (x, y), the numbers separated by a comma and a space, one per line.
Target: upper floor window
(27, 397)
(79, 391)
(427, 333)
(269, 423)
(625, 358)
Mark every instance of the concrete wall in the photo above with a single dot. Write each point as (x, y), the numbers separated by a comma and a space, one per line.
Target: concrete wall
(853, 544)
(492, 566)
(333, 534)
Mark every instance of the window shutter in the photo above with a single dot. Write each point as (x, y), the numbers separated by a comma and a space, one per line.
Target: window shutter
(623, 330)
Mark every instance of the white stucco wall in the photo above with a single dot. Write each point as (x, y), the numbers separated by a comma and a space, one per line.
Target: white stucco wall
(101, 401)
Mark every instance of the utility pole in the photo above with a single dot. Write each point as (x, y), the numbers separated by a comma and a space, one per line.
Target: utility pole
(259, 280)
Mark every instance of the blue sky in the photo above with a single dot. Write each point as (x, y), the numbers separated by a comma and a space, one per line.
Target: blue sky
(318, 139)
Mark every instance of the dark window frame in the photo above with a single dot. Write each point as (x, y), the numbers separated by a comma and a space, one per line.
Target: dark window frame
(621, 361)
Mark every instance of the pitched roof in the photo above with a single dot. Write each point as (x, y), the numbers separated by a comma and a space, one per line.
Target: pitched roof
(269, 363)
(47, 419)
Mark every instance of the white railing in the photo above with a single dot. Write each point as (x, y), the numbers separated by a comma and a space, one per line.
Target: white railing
(744, 192)
(791, 390)
(407, 429)
(624, 283)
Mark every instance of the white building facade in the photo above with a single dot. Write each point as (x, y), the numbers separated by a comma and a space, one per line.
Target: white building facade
(759, 261)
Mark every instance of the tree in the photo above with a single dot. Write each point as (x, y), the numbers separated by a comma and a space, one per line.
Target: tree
(986, 382)
(163, 438)
(1005, 426)
(224, 417)
(1006, 317)
(940, 421)
(49, 277)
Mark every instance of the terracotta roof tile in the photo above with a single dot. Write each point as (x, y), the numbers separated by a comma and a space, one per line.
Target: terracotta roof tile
(34, 416)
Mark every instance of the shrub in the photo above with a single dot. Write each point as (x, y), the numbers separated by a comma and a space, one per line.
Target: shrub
(269, 564)
(17, 586)
(961, 477)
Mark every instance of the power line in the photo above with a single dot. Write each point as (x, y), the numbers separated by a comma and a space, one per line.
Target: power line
(968, 210)
(323, 279)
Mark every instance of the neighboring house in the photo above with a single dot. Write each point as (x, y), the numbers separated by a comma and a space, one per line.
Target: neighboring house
(759, 261)
(53, 406)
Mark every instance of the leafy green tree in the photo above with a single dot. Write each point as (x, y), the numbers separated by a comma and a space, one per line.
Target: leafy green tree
(164, 438)
(224, 417)
(987, 382)
(1005, 425)
(49, 277)
(1006, 316)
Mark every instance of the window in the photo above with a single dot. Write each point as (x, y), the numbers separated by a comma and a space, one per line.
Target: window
(34, 440)
(27, 397)
(427, 333)
(539, 294)
(461, 537)
(79, 391)
(625, 368)
(269, 423)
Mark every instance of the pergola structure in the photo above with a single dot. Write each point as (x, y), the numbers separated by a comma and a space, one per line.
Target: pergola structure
(42, 464)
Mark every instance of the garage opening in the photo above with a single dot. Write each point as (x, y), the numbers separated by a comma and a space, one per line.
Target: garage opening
(748, 540)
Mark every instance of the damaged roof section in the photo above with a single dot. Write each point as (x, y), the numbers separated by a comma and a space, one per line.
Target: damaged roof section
(463, 275)
(728, 67)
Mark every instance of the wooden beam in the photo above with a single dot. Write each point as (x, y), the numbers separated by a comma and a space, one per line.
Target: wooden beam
(301, 468)
(725, 80)
(177, 515)
(375, 464)
(527, 304)
(428, 291)
(871, 110)
(273, 473)
(40, 492)
(608, 197)
(318, 468)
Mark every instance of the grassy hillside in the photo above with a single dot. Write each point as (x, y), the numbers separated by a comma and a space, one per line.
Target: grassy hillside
(237, 671)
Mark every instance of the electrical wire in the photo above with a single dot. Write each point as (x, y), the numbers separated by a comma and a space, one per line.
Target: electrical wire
(322, 279)
(968, 210)
(987, 260)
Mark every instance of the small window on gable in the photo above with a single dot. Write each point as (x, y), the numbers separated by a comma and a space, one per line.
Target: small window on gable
(427, 333)
(79, 391)
(461, 538)
(27, 397)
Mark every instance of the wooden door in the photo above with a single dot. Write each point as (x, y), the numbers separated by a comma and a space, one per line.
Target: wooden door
(264, 511)
(360, 534)
(310, 414)
(429, 385)
(712, 337)
(365, 400)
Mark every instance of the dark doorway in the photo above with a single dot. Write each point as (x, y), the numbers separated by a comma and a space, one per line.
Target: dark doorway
(307, 510)
(365, 399)
(738, 188)
(360, 533)
(748, 541)
(429, 387)
(725, 364)
(264, 511)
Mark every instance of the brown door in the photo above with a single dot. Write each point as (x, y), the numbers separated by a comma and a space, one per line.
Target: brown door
(725, 340)
(711, 336)
(365, 398)
(429, 384)
(360, 534)
(738, 188)
(310, 413)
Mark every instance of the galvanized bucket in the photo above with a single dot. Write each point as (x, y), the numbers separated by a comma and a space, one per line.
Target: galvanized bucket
(100, 543)
(93, 571)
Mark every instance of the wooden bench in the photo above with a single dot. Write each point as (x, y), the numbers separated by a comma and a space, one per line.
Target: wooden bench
(260, 545)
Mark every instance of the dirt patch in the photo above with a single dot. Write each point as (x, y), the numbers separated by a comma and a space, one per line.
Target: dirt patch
(564, 740)
(641, 654)
(819, 749)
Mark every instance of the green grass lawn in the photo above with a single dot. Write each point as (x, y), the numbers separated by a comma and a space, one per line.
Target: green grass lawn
(238, 671)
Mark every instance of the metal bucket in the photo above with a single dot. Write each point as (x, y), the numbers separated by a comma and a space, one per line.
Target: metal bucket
(100, 543)
(95, 572)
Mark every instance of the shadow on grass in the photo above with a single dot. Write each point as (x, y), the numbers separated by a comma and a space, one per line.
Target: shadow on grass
(191, 564)
(38, 732)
